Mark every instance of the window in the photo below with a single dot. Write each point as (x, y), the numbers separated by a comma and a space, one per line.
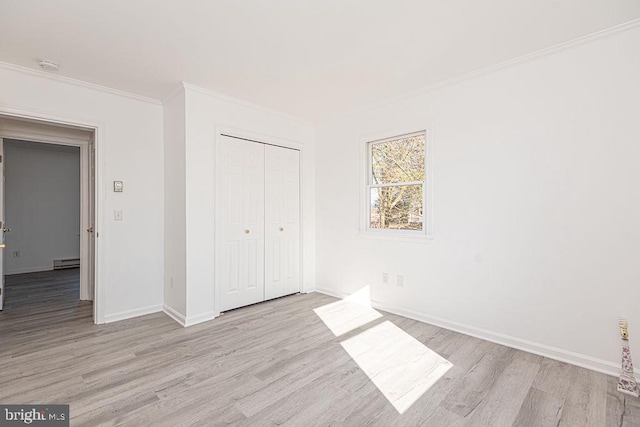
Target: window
(396, 188)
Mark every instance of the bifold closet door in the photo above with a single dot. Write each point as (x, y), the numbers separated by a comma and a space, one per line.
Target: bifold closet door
(239, 271)
(282, 221)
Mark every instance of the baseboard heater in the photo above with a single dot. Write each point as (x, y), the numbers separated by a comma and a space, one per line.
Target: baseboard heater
(60, 264)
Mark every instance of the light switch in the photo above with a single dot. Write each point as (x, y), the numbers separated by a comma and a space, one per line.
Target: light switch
(117, 215)
(118, 187)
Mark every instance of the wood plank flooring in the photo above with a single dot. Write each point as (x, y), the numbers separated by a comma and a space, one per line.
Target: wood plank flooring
(277, 363)
(42, 288)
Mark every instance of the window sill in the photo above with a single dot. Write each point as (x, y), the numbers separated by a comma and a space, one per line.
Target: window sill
(398, 237)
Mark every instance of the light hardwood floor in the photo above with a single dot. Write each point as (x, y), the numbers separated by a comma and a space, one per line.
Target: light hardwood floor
(271, 364)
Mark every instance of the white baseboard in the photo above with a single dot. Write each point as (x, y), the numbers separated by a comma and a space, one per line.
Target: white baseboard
(24, 270)
(189, 320)
(307, 288)
(331, 293)
(128, 314)
(555, 353)
(174, 314)
(203, 317)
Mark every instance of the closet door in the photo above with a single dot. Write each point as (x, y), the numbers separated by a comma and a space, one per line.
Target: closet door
(282, 221)
(239, 269)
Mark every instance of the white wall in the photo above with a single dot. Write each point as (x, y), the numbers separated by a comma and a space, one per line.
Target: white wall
(175, 276)
(536, 204)
(206, 112)
(42, 205)
(130, 149)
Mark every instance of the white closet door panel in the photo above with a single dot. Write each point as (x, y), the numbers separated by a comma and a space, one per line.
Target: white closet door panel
(282, 221)
(239, 265)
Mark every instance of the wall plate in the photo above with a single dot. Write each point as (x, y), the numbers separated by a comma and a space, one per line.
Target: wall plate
(118, 187)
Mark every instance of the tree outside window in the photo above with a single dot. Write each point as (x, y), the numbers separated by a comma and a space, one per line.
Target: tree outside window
(396, 183)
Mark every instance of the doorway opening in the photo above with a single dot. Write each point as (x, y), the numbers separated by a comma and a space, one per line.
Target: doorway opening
(47, 214)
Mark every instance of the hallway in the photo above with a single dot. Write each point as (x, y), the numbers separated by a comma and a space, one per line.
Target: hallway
(42, 300)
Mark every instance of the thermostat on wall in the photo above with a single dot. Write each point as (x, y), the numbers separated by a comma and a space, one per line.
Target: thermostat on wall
(117, 186)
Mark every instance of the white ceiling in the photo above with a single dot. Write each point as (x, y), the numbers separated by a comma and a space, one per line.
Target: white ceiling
(311, 59)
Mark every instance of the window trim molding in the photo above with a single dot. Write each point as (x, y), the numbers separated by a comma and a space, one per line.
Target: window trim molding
(365, 178)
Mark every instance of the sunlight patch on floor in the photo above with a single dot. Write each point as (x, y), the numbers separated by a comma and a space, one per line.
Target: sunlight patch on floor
(400, 366)
(348, 314)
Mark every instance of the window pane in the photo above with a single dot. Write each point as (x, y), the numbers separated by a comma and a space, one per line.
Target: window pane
(397, 208)
(398, 160)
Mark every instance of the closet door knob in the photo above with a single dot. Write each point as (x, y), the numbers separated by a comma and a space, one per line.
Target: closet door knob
(281, 228)
(247, 231)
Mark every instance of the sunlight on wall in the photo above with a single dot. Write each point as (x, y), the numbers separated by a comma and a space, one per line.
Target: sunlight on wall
(348, 314)
(400, 366)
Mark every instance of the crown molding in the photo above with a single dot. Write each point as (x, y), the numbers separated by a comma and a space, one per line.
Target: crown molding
(79, 83)
(175, 92)
(227, 98)
(611, 31)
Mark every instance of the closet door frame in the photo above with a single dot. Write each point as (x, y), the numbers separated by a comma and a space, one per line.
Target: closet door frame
(221, 131)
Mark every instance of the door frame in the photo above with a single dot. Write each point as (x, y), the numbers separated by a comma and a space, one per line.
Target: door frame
(219, 132)
(91, 272)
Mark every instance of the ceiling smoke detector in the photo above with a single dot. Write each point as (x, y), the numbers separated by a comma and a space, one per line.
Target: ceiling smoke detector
(47, 65)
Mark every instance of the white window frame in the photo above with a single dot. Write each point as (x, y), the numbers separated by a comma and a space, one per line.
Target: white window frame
(427, 192)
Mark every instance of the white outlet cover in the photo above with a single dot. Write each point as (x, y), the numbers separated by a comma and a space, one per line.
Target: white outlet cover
(385, 278)
(400, 280)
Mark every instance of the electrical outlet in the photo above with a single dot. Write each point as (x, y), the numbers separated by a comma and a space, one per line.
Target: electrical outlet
(16, 254)
(400, 280)
(117, 215)
(385, 278)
